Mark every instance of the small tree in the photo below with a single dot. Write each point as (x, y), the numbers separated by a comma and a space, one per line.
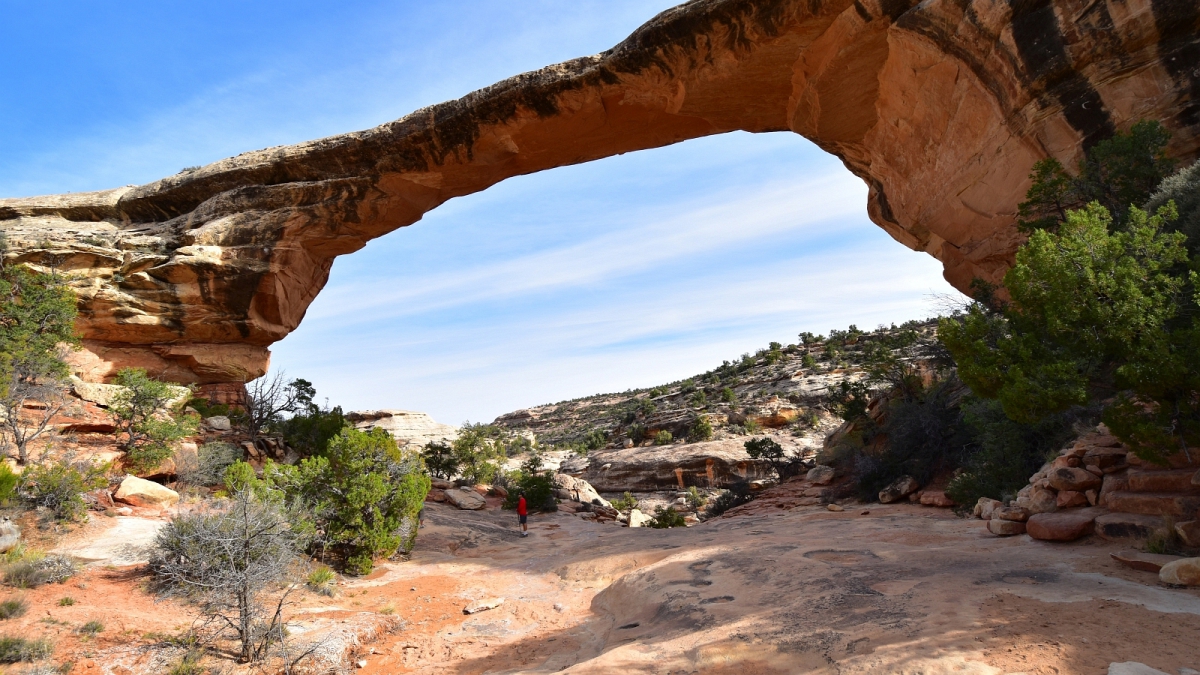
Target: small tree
(268, 397)
(58, 485)
(364, 495)
(701, 430)
(229, 560)
(37, 316)
(477, 452)
(440, 459)
(142, 416)
(766, 449)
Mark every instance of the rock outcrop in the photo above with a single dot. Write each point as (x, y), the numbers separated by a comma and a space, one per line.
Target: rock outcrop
(712, 464)
(406, 426)
(941, 107)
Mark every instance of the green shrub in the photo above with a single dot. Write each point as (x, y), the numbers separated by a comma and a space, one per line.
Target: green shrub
(695, 499)
(477, 452)
(59, 486)
(1003, 453)
(663, 437)
(66, 601)
(189, 664)
(808, 361)
(322, 580)
(140, 412)
(538, 489)
(13, 608)
(309, 432)
(34, 571)
(752, 426)
(665, 518)
(595, 439)
(91, 628)
(363, 494)
(15, 649)
(738, 493)
(701, 430)
(637, 433)
(625, 502)
(728, 395)
(206, 465)
(8, 483)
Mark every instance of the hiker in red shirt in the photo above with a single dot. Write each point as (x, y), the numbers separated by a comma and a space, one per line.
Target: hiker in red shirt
(522, 515)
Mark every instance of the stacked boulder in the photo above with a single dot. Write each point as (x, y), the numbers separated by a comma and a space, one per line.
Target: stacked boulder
(1097, 486)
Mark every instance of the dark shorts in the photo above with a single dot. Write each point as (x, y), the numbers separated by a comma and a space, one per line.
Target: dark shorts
(521, 518)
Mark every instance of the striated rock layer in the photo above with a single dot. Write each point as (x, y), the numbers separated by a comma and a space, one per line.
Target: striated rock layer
(940, 107)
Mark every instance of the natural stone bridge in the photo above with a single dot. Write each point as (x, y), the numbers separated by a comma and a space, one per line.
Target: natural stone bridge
(940, 107)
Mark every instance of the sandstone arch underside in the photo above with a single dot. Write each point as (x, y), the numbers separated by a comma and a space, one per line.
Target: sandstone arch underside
(940, 107)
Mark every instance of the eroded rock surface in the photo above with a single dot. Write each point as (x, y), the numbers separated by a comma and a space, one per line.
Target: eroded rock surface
(406, 426)
(940, 107)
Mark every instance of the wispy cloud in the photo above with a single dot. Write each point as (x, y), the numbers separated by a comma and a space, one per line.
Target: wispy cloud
(621, 251)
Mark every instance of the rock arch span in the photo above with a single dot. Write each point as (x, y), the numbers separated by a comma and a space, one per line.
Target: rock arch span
(940, 107)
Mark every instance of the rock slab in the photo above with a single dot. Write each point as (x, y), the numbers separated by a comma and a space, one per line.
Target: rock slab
(483, 605)
(1145, 562)
(140, 492)
(466, 498)
(1062, 526)
(899, 489)
(1182, 572)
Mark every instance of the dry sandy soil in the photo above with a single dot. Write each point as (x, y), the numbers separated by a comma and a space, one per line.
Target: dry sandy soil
(901, 589)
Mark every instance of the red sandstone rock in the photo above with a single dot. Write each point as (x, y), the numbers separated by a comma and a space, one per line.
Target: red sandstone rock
(1005, 528)
(1013, 513)
(1062, 526)
(1074, 479)
(941, 107)
(936, 498)
(1069, 498)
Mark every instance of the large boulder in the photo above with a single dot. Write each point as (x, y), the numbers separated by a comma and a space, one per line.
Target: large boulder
(577, 490)
(986, 506)
(1062, 526)
(899, 489)
(821, 474)
(1005, 528)
(466, 498)
(140, 492)
(1037, 500)
(1073, 479)
(1183, 572)
(1012, 513)
(639, 519)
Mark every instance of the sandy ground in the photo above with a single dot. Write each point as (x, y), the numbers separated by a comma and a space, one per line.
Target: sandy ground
(902, 589)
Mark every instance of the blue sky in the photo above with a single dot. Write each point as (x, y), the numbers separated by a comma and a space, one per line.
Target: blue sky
(627, 272)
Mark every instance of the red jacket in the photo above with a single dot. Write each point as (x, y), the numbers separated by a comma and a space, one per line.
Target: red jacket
(521, 507)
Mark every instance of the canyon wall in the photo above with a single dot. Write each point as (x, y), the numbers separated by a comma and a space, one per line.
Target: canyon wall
(940, 107)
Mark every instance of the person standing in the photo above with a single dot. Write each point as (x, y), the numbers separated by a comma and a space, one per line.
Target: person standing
(523, 515)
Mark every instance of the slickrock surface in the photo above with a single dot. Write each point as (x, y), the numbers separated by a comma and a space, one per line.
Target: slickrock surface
(902, 589)
(941, 107)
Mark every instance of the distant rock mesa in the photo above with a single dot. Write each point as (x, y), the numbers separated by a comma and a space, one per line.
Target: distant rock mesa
(940, 107)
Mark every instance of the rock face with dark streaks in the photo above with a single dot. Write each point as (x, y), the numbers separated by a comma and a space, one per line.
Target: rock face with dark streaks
(940, 107)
